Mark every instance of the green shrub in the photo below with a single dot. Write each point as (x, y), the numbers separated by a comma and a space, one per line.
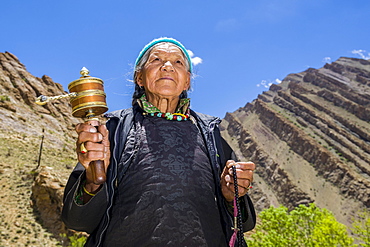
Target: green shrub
(361, 228)
(4, 98)
(303, 226)
(76, 240)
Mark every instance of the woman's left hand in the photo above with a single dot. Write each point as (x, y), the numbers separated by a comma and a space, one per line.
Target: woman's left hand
(244, 171)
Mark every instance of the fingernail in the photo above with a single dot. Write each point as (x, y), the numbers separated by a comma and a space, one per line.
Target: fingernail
(93, 130)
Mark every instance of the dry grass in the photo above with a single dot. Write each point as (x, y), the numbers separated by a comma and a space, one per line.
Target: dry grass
(20, 222)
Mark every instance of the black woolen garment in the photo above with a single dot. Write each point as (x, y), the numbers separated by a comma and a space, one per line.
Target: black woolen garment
(167, 195)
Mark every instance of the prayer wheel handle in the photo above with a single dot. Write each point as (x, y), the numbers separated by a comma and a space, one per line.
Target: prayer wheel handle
(97, 166)
(98, 170)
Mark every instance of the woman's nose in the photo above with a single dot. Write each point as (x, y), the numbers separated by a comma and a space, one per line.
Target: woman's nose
(167, 66)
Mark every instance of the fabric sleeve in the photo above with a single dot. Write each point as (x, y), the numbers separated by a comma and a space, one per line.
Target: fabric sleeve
(82, 217)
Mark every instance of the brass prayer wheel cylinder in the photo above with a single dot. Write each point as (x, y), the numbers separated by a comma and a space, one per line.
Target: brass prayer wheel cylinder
(90, 100)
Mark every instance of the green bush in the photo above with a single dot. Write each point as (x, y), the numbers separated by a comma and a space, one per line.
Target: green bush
(303, 226)
(361, 228)
(4, 98)
(75, 240)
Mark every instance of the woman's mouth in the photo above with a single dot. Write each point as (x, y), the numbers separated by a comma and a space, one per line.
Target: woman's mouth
(167, 78)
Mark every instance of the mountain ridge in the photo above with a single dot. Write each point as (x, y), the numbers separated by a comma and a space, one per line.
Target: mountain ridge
(309, 136)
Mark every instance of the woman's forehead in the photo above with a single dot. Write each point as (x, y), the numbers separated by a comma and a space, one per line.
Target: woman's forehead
(166, 48)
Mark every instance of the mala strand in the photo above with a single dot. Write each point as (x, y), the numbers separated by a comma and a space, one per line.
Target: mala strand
(237, 211)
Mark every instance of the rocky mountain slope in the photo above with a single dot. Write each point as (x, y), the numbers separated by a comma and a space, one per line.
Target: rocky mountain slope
(31, 198)
(310, 139)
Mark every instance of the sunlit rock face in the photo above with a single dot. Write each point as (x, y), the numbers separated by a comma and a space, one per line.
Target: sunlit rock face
(310, 138)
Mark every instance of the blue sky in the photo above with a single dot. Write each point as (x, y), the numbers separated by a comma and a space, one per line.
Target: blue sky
(244, 45)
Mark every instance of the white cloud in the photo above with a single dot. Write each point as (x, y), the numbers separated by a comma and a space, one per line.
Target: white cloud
(191, 54)
(194, 60)
(327, 60)
(268, 83)
(362, 54)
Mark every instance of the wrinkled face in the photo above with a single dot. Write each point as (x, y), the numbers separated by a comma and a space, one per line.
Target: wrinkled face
(164, 74)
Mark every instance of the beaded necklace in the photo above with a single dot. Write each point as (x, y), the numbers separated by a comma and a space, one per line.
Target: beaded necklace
(170, 116)
(182, 112)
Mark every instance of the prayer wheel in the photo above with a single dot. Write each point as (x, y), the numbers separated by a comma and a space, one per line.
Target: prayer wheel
(87, 98)
(90, 99)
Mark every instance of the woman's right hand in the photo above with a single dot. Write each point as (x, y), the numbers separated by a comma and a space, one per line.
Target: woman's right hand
(96, 142)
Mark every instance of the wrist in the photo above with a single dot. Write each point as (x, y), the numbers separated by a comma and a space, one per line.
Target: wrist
(91, 189)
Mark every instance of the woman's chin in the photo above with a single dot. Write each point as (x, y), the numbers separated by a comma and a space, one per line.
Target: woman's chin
(167, 93)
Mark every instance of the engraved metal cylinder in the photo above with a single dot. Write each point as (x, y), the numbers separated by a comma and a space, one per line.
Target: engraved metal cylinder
(91, 99)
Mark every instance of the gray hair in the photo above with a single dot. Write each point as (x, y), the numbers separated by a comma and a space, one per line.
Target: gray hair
(139, 91)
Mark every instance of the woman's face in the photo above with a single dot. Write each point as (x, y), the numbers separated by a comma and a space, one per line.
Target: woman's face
(165, 73)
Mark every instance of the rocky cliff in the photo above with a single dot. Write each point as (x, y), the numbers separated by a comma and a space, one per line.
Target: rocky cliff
(310, 139)
(19, 115)
(31, 197)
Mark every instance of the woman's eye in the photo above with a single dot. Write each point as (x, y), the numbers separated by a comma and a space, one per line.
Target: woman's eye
(179, 62)
(155, 59)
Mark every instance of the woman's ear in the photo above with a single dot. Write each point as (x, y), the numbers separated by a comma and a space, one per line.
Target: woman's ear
(139, 79)
(187, 85)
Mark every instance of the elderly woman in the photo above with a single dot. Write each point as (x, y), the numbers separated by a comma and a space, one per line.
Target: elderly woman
(169, 171)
